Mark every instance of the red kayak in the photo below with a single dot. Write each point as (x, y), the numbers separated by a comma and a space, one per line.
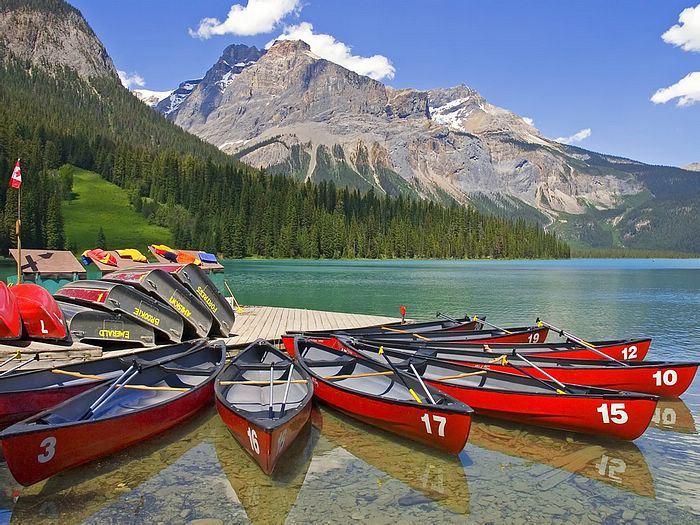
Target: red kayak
(24, 394)
(660, 378)
(532, 401)
(375, 394)
(512, 335)
(147, 399)
(10, 320)
(265, 401)
(42, 318)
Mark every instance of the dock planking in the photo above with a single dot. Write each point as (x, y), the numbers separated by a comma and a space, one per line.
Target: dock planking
(270, 322)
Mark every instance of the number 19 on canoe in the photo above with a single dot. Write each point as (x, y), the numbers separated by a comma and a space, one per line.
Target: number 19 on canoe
(440, 420)
(613, 413)
(253, 437)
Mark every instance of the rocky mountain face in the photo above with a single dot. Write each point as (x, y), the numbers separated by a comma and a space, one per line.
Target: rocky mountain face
(289, 111)
(51, 35)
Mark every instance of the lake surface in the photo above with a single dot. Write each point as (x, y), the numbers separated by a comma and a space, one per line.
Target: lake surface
(342, 471)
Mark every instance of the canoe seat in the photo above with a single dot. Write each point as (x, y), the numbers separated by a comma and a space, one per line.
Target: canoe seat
(253, 398)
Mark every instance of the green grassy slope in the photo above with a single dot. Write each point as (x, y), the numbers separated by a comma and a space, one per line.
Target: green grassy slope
(101, 203)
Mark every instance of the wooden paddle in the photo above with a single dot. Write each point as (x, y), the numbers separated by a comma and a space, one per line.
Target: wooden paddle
(405, 332)
(578, 340)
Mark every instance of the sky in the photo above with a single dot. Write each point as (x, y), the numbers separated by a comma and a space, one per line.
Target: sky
(620, 77)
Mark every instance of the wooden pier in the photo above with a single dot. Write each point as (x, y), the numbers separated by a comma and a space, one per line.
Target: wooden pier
(254, 322)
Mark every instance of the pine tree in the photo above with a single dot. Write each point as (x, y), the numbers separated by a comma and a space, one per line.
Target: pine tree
(101, 240)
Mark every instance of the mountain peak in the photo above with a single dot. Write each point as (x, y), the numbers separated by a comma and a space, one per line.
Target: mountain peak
(50, 35)
(289, 47)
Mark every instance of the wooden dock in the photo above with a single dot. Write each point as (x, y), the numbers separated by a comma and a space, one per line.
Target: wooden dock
(254, 322)
(269, 322)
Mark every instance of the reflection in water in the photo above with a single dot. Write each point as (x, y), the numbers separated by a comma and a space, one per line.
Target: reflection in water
(619, 463)
(438, 477)
(673, 415)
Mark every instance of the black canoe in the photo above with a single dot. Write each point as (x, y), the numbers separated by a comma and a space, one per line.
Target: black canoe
(265, 401)
(99, 326)
(465, 324)
(104, 295)
(166, 288)
(147, 399)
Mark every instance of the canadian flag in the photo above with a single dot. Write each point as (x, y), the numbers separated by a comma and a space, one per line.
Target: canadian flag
(16, 179)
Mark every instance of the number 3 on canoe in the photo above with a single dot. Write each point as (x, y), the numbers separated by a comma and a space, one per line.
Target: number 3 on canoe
(440, 420)
(253, 437)
(49, 446)
(614, 413)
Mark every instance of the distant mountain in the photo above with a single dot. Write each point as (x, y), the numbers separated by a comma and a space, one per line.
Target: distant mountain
(151, 98)
(291, 112)
(695, 166)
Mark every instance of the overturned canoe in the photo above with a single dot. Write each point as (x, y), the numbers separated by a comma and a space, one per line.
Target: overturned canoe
(532, 401)
(194, 278)
(10, 320)
(153, 397)
(660, 378)
(127, 300)
(374, 393)
(265, 401)
(42, 317)
(166, 288)
(100, 326)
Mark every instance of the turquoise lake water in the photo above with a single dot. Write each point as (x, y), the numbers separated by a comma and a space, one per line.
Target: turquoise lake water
(346, 472)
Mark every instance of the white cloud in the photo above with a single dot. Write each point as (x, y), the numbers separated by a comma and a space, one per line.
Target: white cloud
(576, 137)
(131, 79)
(686, 90)
(685, 34)
(326, 46)
(258, 16)
(529, 121)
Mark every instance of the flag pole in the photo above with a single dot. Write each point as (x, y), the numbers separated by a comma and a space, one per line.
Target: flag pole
(18, 230)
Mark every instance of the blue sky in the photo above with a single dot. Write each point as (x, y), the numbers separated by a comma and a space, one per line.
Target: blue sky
(567, 65)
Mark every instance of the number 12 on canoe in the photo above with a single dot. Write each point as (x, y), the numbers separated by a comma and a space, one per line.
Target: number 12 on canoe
(614, 412)
(440, 420)
(253, 437)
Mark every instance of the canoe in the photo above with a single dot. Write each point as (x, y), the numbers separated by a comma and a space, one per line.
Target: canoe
(103, 327)
(660, 378)
(163, 286)
(27, 393)
(197, 281)
(633, 349)
(465, 324)
(41, 315)
(10, 320)
(371, 392)
(523, 399)
(158, 396)
(265, 401)
(105, 295)
(513, 335)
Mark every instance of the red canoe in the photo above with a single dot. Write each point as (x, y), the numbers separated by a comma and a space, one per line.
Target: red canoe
(156, 397)
(265, 416)
(10, 320)
(42, 318)
(660, 378)
(27, 393)
(373, 393)
(514, 397)
(513, 335)
(634, 349)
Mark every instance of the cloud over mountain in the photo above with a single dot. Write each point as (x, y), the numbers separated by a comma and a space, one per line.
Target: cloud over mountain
(258, 16)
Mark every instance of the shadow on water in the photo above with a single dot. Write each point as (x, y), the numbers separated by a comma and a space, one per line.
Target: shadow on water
(618, 463)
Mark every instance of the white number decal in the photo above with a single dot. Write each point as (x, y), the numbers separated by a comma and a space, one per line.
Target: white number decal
(49, 446)
(533, 338)
(43, 328)
(253, 437)
(615, 413)
(668, 378)
(610, 467)
(629, 352)
(440, 420)
(667, 417)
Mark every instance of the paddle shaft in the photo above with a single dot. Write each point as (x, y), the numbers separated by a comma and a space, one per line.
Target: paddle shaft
(286, 390)
(533, 365)
(525, 372)
(579, 341)
(397, 330)
(411, 391)
(19, 365)
(427, 392)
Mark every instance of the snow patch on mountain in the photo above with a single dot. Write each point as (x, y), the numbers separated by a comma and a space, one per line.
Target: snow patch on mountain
(150, 97)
